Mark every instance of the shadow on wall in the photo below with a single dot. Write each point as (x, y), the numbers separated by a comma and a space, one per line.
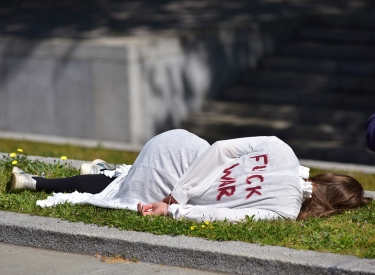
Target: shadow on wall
(80, 19)
(207, 64)
(174, 86)
(93, 18)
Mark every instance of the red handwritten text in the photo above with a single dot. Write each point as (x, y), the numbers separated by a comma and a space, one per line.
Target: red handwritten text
(227, 186)
(254, 190)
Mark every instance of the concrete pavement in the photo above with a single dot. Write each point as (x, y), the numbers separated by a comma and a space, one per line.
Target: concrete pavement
(15, 259)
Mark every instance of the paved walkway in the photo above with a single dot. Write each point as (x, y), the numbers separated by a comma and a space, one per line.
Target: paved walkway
(15, 259)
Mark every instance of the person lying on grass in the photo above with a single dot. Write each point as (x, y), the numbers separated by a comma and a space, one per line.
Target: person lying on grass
(180, 175)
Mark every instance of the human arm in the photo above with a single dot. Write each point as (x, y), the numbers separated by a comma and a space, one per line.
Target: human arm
(370, 136)
(204, 213)
(209, 166)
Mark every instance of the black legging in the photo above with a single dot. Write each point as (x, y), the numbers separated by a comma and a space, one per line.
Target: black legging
(85, 183)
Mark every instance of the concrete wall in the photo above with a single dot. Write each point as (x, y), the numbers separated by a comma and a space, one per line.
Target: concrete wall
(118, 89)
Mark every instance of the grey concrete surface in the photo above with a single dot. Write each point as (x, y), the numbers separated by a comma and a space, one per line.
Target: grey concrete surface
(122, 89)
(15, 259)
(368, 169)
(90, 143)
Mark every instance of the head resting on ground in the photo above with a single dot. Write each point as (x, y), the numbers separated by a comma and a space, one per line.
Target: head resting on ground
(332, 194)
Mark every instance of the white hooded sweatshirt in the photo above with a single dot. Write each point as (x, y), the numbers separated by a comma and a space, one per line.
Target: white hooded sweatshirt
(232, 179)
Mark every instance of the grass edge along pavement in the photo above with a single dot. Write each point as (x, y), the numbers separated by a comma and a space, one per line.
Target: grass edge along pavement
(351, 233)
(188, 252)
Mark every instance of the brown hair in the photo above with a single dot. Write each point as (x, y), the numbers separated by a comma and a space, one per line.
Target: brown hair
(332, 194)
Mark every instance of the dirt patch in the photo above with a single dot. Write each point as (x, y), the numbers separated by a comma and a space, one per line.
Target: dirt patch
(116, 259)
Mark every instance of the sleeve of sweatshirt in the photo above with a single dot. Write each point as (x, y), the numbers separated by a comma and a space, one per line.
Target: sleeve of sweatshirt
(203, 213)
(208, 167)
(371, 133)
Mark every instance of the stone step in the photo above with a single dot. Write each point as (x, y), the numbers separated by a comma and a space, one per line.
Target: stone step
(354, 120)
(334, 35)
(225, 126)
(302, 97)
(308, 82)
(318, 66)
(308, 148)
(315, 93)
(346, 52)
(347, 21)
(335, 152)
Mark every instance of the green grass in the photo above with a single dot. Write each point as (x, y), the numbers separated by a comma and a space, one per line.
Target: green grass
(72, 152)
(350, 233)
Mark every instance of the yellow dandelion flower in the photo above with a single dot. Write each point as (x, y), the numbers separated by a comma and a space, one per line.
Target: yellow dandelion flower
(203, 226)
(20, 150)
(193, 227)
(211, 226)
(14, 162)
(12, 155)
(64, 157)
(207, 222)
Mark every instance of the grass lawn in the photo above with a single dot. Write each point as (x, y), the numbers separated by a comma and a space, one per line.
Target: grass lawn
(350, 233)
